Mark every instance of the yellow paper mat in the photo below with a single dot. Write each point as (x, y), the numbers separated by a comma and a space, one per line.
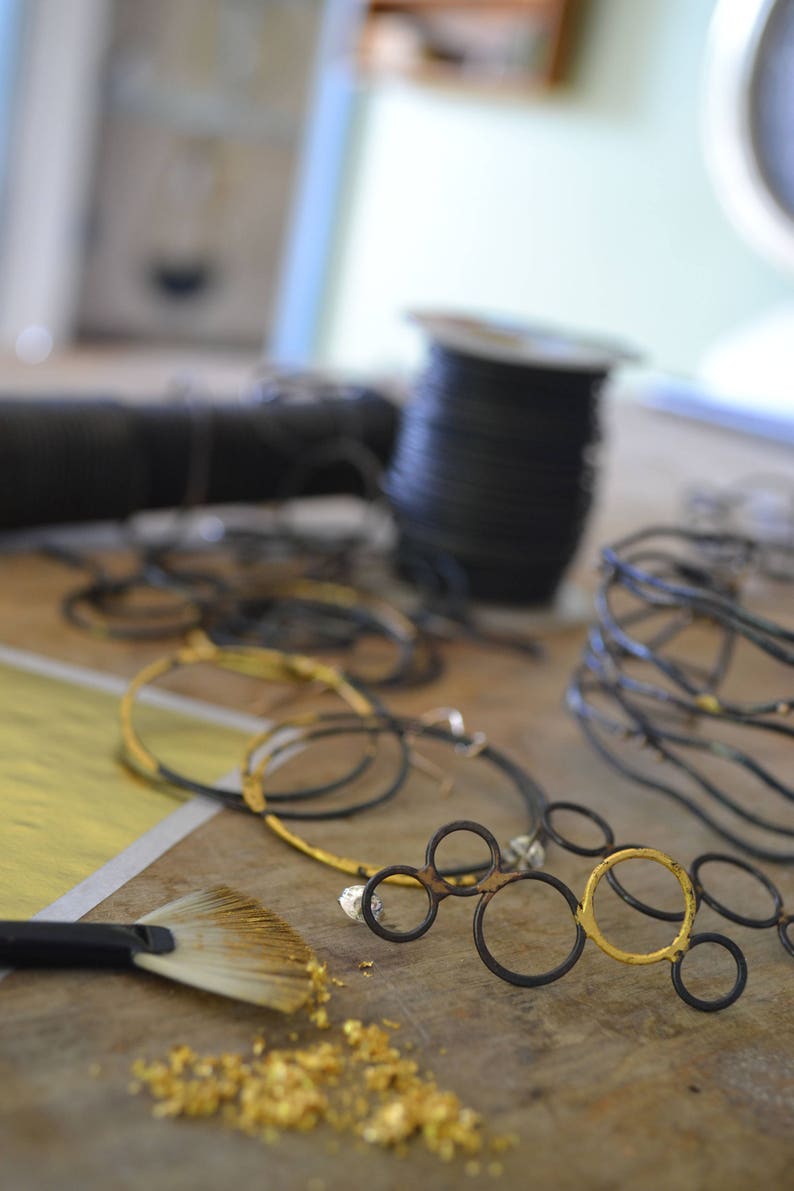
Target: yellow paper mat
(67, 806)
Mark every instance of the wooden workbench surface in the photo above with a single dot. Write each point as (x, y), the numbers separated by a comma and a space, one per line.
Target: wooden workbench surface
(606, 1076)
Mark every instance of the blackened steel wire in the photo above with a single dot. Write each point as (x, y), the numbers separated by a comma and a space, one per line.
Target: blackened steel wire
(659, 738)
(589, 717)
(727, 613)
(678, 578)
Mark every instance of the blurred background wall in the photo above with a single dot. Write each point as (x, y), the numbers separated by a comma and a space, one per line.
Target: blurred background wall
(150, 163)
(587, 205)
(212, 172)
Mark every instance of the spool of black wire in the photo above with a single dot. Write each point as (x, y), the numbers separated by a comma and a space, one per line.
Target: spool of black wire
(494, 464)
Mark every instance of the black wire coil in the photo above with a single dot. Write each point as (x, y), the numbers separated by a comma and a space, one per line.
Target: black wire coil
(494, 466)
(73, 459)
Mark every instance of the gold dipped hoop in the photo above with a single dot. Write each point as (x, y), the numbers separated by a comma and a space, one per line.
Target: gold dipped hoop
(585, 914)
(252, 661)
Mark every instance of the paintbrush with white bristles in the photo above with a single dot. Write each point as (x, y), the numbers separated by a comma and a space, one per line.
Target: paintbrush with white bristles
(214, 939)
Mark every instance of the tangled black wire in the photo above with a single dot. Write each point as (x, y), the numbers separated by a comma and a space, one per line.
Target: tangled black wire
(269, 582)
(659, 670)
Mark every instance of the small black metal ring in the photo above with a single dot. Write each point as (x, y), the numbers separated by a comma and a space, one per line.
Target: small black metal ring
(738, 986)
(562, 842)
(386, 932)
(320, 732)
(782, 930)
(519, 978)
(742, 919)
(475, 829)
(635, 902)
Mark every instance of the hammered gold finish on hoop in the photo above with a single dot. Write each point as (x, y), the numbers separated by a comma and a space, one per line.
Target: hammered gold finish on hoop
(585, 914)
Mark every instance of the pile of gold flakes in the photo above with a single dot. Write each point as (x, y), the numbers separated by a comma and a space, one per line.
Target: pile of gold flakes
(359, 1084)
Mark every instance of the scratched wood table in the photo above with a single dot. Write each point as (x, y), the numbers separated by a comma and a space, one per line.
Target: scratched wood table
(607, 1078)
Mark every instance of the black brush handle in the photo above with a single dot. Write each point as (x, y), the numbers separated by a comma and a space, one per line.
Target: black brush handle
(79, 944)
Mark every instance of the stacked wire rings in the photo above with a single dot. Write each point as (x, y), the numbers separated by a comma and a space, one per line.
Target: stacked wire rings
(632, 685)
(249, 606)
(496, 877)
(415, 661)
(499, 875)
(303, 731)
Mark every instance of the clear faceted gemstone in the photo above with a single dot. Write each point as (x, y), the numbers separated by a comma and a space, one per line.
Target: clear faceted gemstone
(350, 901)
(525, 852)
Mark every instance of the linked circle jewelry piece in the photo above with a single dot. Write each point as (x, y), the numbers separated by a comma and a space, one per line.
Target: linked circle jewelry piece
(498, 876)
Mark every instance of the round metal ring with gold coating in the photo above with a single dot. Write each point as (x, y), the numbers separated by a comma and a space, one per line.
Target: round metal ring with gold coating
(585, 914)
(252, 661)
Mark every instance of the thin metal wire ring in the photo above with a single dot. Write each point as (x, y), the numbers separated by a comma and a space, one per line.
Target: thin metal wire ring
(475, 829)
(386, 932)
(719, 1002)
(532, 795)
(710, 900)
(265, 664)
(320, 732)
(562, 842)
(523, 979)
